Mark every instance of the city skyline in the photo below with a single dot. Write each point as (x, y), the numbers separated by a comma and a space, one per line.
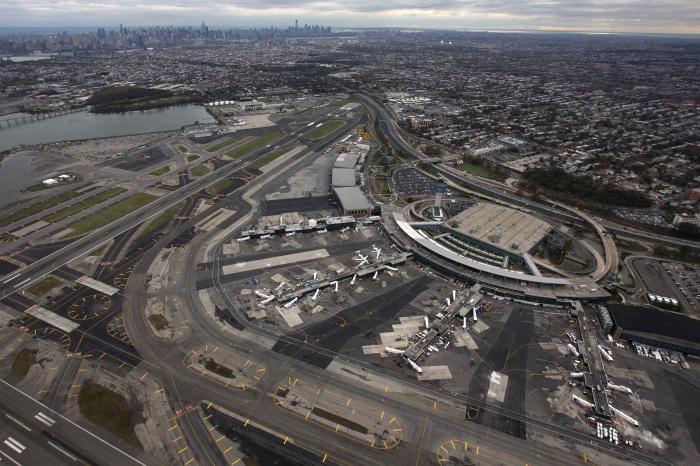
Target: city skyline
(623, 16)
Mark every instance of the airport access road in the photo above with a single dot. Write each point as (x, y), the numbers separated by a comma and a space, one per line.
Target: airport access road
(393, 134)
(33, 272)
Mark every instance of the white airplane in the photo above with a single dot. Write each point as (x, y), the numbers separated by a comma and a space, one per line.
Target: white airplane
(291, 233)
(364, 262)
(315, 296)
(376, 274)
(267, 300)
(393, 269)
(280, 286)
(378, 252)
(290, 303)
(315, 275)
(354, 277)
(344, 229)
(360, 257)
(262, 295)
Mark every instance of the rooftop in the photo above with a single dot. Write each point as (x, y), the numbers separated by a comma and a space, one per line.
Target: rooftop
(352, 198)
(503, 227)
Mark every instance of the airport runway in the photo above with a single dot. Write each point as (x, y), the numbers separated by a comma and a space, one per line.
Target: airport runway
(48, 437)
(24, 277)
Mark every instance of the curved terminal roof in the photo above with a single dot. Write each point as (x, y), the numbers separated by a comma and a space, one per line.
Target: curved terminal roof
(442, 251)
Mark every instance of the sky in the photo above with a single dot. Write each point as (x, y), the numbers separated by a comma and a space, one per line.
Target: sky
(646, 16)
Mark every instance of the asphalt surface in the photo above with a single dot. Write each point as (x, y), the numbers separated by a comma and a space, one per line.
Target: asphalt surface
(165, 360)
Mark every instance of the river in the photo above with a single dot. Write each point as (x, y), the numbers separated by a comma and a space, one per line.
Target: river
(86, 125)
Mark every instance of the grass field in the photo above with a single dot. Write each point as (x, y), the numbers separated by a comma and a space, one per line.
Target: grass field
(107, 409)
(39, 187)
(219, 186)
(269, 158)
(38, 207)
(223, 143)
(161, 220)
(199, 170)
(158, 321)
(482, 171)
(82, 205)
(182, 148)
(327, 128)
(192, 158)
(25, 359)
(253, 145)
(160, 171)
(44, 286)
(382, 185)
(110, 213)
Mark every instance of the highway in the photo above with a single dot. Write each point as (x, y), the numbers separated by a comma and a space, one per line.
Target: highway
(24, 277)
(393, 133)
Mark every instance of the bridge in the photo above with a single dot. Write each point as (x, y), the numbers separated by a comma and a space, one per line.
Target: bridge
(31, 117)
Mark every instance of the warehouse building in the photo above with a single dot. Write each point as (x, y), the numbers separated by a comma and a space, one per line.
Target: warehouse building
(343, 177)
(352, 201)
(347, 160)
(651, 326)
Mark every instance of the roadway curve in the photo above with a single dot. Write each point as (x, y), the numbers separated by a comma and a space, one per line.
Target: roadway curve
(396, 139)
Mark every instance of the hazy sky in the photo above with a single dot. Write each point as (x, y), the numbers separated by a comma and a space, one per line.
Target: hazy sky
(670, 16)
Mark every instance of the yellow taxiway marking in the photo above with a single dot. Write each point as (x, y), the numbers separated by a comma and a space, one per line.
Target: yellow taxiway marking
(178, 438)
(144, 376)
(235, 461)
(348, 403)
(286, 438)
(184, 449)
(381, 416)
(207, 416)
(173, 427)
(210, 404)
(452, 442)
(160, 391)
(435, 404)
(307, 415)
(325, 457)
(220, 438)
(228, 450)
(191, 459)
(212, 428)
(386, 389)
(247, 421)
(477, 450)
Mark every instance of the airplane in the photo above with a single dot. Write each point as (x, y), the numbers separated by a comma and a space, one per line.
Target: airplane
(378, 252)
